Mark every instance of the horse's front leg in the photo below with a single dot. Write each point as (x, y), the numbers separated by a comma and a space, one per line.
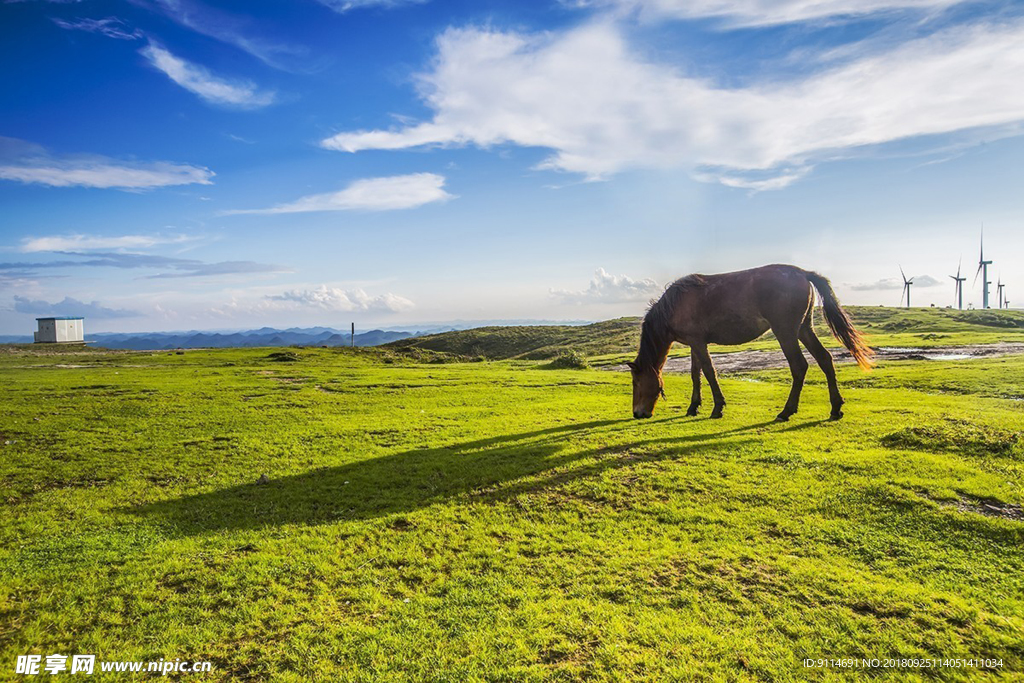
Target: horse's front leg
(709, 371)
(695, 376)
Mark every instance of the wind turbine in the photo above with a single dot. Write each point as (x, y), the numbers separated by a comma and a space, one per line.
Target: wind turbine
(959, 293)
(906, 287)
(983, 269)
(999, 288)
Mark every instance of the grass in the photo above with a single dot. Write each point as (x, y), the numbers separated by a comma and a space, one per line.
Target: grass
(503, 521)
(613, 341)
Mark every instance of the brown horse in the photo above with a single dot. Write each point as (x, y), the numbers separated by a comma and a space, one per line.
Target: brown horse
(735, 308)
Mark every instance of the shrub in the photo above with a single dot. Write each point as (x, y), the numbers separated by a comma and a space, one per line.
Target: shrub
(570, 360)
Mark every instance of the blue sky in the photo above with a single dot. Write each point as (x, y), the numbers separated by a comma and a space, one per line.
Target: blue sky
(177, 164)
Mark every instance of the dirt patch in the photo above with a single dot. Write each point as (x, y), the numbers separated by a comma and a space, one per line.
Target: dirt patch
(747, 361)
(989, 508)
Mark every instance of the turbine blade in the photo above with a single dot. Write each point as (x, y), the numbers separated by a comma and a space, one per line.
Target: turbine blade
(903, 274)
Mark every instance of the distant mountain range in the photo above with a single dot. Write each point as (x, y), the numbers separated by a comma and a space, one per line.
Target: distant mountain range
(272, 336)
(265, 336)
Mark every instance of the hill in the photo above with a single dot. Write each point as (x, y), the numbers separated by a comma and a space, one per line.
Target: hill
(884, 325)
(530, 342)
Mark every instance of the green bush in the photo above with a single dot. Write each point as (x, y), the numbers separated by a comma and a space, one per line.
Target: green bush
(570, 359)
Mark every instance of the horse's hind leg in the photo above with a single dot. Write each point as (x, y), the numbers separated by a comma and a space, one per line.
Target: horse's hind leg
(695, 376)
(798, 368)
(824, 359)
(701, 351)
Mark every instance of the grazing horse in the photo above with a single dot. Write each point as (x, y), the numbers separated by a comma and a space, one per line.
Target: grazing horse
(735, 308)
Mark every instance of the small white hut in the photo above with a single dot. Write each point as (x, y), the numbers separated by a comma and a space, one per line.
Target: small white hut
(60, 330)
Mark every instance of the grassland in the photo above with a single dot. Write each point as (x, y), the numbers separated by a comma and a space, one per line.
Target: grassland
(502, 522)
(614, 340)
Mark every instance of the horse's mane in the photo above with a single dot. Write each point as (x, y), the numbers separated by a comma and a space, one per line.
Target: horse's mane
(656, 327)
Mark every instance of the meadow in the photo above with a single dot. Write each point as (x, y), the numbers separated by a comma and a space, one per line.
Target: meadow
(500, 521)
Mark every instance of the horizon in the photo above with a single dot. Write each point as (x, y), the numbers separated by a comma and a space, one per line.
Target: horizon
(207, 166)
(434, 327)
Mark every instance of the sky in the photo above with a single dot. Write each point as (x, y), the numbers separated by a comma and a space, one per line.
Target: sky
(192, 164)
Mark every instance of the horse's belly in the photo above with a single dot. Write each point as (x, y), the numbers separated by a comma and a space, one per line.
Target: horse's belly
(738, 331)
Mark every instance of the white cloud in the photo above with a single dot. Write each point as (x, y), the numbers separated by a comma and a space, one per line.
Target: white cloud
(69, 306)
(232, 29)
(602, 108)
(766, 12)
(28, 163)
(369, 194)
(334, 299)
(342, 6)
(111, 27)
(87, 242)
(201, 82)
(896, 283)
(608, 288)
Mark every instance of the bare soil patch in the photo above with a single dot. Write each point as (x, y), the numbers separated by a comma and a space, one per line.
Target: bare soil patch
(746, 361)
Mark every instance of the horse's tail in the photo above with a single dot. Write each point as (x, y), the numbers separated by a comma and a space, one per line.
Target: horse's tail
(840, 324)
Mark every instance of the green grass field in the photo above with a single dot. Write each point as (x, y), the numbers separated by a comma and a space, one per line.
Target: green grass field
(502, 522)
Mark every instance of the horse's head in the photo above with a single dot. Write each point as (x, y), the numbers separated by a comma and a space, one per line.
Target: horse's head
(647, 389)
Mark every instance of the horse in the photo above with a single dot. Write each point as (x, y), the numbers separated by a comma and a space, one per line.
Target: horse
(735, 308)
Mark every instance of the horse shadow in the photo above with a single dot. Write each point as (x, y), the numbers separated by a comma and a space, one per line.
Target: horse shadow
(489, 470)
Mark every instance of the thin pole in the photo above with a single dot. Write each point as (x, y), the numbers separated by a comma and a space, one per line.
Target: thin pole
(353, 334)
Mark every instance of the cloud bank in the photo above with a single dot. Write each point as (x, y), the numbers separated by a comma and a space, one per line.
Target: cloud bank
(172, 267)
(70, 306)
(606, 288)
(334, 299)
(27, 163)
(602, 109)
(369, 194)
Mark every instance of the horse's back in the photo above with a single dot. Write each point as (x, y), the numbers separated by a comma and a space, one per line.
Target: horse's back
(740, 306)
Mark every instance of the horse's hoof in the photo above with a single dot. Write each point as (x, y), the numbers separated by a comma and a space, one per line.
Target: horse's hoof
(837, 415)
(716, 415)
(782, 417)
(692, 412)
